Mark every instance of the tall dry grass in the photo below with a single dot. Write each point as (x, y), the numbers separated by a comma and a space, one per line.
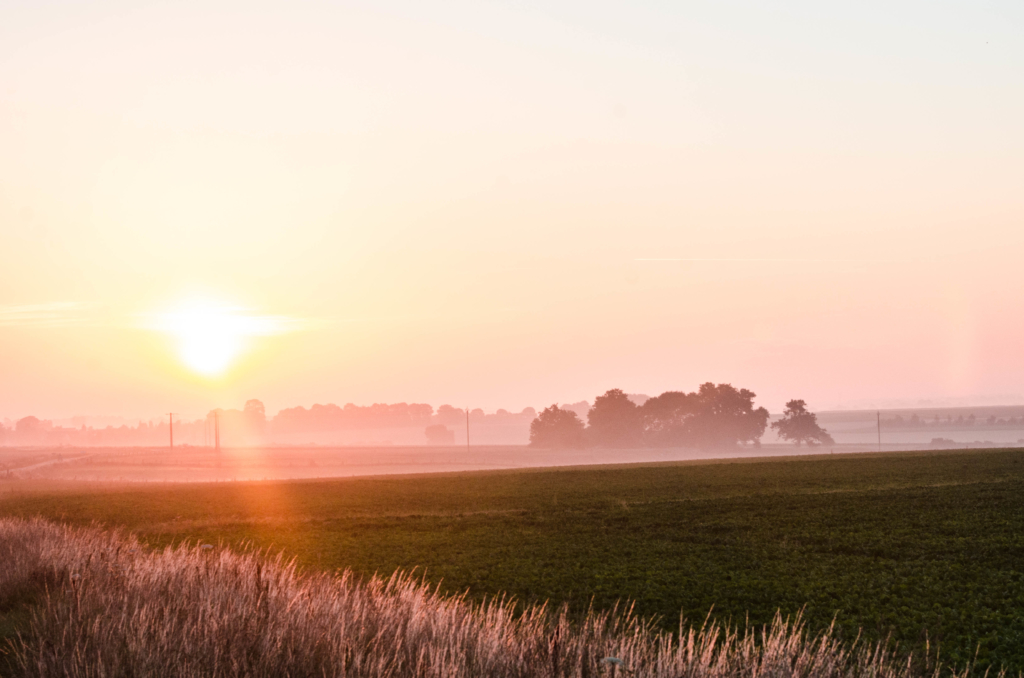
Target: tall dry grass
(107, 607)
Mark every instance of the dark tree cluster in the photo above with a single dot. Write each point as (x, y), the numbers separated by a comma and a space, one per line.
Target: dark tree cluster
(716, 415)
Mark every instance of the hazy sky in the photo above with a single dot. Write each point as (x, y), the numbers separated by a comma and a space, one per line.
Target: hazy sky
(507, 204)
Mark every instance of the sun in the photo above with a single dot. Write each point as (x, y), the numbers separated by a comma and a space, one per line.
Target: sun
(211, 336)
(208, 336)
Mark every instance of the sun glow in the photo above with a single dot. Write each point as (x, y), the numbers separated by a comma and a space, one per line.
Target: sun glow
(211, 337)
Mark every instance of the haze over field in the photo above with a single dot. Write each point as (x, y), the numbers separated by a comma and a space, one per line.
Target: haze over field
(508, 205)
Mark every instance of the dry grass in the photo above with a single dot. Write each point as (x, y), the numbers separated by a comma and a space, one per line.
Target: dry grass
(102, 605)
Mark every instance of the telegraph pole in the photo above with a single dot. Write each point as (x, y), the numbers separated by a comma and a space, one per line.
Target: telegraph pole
(467, 429)
(216, 429)
(170, 416)
(878, 417)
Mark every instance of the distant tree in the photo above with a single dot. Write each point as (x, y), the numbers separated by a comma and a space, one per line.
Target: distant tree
(665, 419)
(255, 417)
(724, 416)
(582, 408)
(614, 421)
(446, 414)
(800, 426)
(28, 425)
(31, 430)
(439, 434)
(555, 427)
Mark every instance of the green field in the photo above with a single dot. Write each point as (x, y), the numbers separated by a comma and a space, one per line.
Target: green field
(916, 545)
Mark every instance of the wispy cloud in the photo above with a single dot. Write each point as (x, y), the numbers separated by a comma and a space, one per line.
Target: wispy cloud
(76, 314)
(777, 260)
(54, 314)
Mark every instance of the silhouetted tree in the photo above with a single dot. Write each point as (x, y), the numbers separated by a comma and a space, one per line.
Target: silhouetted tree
(556, 427)
(614, 421)
(800, 426)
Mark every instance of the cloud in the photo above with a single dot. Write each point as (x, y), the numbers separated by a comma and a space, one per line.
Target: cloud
(54, 314)
(778, 260)
(75, 314)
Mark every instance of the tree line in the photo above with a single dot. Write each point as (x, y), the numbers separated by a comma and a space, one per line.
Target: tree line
(713, 416)
(915, 421)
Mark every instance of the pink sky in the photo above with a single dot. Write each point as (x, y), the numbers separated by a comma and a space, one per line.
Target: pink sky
(507, 205)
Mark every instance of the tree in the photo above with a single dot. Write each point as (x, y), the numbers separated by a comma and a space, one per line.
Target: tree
(614, 421)
(439, 434)
(800, 426)
(555, 427)
(716, 415)
(30, 430)
(28, 425)
(446, 414)
(726, 416)
(665, 418)
(255, 416)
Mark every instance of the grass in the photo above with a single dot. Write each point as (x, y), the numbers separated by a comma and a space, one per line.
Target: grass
(925, 548)
(109, 608)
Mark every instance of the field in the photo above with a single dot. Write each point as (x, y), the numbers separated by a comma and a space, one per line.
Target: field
(186, 464)
(922, 547)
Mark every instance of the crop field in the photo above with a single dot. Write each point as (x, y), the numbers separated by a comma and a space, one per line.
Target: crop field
(925, 548)
(185, 464)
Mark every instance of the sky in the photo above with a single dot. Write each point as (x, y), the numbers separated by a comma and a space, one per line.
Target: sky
(504, 205)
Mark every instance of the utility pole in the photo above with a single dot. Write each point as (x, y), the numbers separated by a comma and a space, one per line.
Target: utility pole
(170, 416)
(216, 429)
(878, 417)
(467, 429)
